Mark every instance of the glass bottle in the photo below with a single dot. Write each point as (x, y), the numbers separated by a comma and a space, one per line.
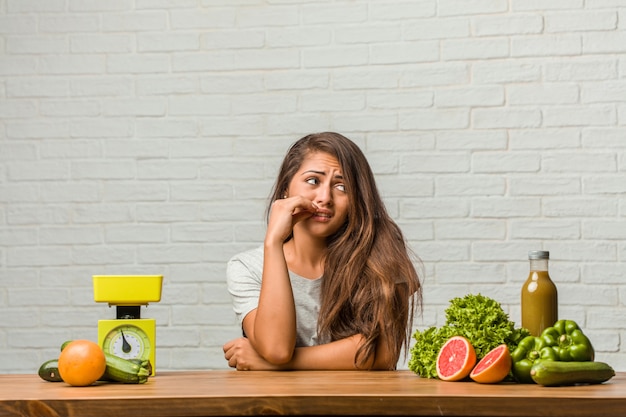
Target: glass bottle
(539, 295)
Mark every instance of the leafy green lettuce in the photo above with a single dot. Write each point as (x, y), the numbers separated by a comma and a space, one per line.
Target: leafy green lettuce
(478, 318)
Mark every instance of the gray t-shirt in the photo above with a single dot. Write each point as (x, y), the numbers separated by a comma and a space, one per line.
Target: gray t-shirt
(244, 274)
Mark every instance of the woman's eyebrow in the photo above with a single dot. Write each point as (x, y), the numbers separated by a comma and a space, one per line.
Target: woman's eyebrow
(313, 171)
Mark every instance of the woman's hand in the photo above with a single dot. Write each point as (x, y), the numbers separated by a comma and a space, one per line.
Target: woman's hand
(284, 215)
(241, 355)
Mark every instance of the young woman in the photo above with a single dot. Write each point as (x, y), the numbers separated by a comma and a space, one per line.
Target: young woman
(334, 285)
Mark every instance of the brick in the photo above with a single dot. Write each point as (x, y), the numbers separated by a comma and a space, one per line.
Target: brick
(542, 94)
(165, 85)
(475, 48)
(510, 71)
(25, 6)
(604, 229)
(37, 45)
(109, 43)
(275, 80)
(369, 34)
(344, 101)
(523, 24)
(134, 191)
(501, 207)
(492, 162)
(506, 118)
(456, 7)
(578, 162)
(104, 255)
(339, 56)
(441, 28)
(438, 251)
(37, 87)
(17, 109)
(580, 21)
(312, 14)
(18, 24)
(69, 108)
(581, 69)
(480, 185)
(64, 235)
(72, 64)
(198, 233)
(545, 138)
(474, 273)
(41, 170)
(134, 64)
(215, 17)
(474, 139)
(101, 86)
(579, 207)
(169, 42)
(264, 103)
(545, 229)
(433, 208)
(362, 122)
(546, 45)
(544, 185)
(225, 39)
(404, 52)
(135, 22)
(165, 127)
(28, 214)
(526, 5)
(40, 256)
(101, 213)
(483, 96)
(434, 119)
(462, 229)
(403, 10)
(354, 78)
(65, 23)
(604, 42)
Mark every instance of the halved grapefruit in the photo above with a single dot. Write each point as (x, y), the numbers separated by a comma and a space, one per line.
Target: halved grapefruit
(456, 359)
(493, 367)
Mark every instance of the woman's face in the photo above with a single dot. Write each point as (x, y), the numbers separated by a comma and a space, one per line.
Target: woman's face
(320, 180)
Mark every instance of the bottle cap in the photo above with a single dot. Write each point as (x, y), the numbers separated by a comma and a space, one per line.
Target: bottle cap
(538, 254)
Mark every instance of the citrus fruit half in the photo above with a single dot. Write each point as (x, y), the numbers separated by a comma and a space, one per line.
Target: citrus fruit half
(493, 367)
(81, 363)
(456, 359)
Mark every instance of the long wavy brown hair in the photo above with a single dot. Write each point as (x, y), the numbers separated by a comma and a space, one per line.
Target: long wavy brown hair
(370, 285)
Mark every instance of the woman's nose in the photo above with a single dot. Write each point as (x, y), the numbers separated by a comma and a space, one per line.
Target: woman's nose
(324, 195)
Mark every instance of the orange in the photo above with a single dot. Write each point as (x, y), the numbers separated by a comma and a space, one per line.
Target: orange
(456, 359)
(493, 367)
(81, 363)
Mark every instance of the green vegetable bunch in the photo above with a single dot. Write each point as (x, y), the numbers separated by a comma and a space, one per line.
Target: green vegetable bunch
(478, 318)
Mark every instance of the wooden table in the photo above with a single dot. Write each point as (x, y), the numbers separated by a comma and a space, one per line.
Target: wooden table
(226, 393)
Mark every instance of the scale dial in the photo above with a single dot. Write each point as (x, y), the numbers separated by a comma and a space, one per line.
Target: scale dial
(128, 342)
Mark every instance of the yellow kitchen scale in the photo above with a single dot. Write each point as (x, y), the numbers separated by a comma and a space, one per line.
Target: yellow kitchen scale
(128, 336)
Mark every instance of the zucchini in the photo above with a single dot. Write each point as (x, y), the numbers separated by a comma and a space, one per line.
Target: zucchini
(49, 371)
(555, 373)
(125, 370)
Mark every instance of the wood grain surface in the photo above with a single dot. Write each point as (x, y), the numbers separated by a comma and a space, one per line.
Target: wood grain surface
(228, 393)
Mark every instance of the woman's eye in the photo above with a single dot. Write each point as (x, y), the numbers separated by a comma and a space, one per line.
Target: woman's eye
(341, 187)
(312, 180)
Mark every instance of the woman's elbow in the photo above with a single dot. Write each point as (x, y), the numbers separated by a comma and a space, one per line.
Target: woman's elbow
(277, 356)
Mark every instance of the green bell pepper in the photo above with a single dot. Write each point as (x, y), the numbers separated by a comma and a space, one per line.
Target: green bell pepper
(529, 351)
(568, 341)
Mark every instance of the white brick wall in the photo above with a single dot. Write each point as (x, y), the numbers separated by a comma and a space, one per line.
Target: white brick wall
(143, 137)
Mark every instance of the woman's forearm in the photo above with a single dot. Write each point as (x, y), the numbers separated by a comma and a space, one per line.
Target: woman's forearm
(273, 327)
(338, 355)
